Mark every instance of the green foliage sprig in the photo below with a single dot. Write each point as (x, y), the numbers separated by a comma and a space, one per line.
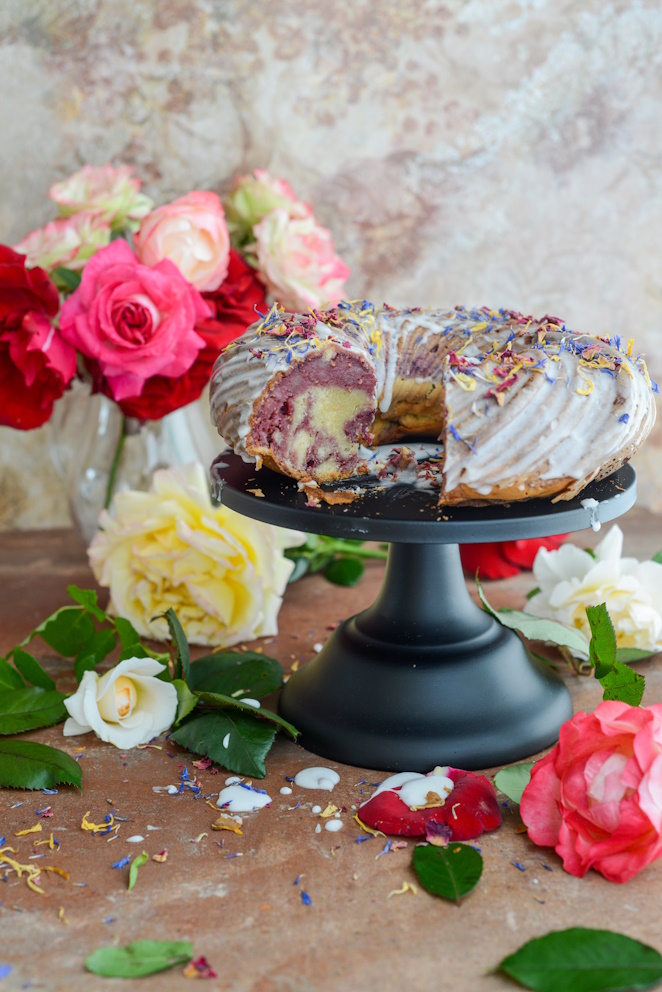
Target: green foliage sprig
(339, 559)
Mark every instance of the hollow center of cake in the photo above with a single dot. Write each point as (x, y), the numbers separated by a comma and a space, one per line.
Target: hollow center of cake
(316, 415)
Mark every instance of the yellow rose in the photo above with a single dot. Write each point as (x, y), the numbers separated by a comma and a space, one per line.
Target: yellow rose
(223, 574)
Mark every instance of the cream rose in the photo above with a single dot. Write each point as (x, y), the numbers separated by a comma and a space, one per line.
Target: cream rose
(295, 258)
(114, 192)
(253, 197)
(571, 579)
(69, 242)
(223, 574)
(125, 707)
(192, 233)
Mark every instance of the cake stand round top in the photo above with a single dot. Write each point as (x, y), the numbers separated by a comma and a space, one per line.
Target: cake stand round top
(403, 513)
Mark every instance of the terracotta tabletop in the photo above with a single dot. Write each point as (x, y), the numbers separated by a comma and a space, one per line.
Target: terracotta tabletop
(245, 914)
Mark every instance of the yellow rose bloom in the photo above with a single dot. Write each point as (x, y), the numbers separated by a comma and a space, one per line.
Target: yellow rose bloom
(222, 573)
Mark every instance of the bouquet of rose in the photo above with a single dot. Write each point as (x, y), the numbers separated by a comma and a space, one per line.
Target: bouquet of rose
(141, 300)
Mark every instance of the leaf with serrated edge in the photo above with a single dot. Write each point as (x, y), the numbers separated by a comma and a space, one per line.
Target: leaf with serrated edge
(512, 781)
(27, 709)
(216, 699)
(537, 630)
(89, 599)
(247, 745)
(186, 700)
(29, 765)
(584, 960)
(10, 678)
(126, 632)
(450, 872)
(144, 957)
(67, 631)
(228, 671)
(623, 684)
(31, 670)
(602, 646)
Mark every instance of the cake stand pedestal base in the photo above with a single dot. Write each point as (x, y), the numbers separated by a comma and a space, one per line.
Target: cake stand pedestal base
(424, 677)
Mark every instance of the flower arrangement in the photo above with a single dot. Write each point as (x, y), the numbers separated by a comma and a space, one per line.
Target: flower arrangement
(140, 300)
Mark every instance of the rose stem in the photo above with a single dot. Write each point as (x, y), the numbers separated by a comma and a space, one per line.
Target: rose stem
(115, 463)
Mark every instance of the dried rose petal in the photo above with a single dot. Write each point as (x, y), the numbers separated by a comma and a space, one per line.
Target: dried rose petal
(470, 809)
(200, 968)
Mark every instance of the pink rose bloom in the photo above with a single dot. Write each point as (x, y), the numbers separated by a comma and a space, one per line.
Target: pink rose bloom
(191, 232)
(297, 261)
(114, 192)
(133, 322)
(596, 798)
(253, 197)
(68, 242)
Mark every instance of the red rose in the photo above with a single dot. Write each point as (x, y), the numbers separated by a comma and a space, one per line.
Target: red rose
(502, 559)
(36, 364)
(233, 309)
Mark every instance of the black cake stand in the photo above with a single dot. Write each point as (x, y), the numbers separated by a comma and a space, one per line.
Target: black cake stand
(423, 677)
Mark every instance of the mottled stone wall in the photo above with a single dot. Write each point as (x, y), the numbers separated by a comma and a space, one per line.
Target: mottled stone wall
(471, 151)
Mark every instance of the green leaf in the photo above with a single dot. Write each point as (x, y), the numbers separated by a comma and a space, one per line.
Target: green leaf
(247, 740)
(450, 872)
(299, 570)
(97, 648)
(144, 957)
(89, 599)
(126, 632)
(138, 862)
(633, 654)
(26, 709)
(216, 700)
(533, 592)
(583, 960)
(30, 668)
(183, 659)
(186, 700)
(229, 671)
(136, 651)
(624, 684)
(67, 631)
(65, 279)
(10, 678)
(602, 646)
(657, 558)
(28, 765)
(512, 781)
(344, 571)
(537, 630)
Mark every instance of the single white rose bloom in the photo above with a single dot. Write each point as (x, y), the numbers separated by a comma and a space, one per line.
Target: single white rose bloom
(222, 573)
(571, 579)
(126, 706)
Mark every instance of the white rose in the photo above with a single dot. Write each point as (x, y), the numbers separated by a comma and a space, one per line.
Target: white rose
(126, 706)
(571, 579)
(222, 573)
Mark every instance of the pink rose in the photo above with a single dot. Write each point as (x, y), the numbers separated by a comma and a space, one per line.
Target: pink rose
(112, 191)
(253, 197)
(133, 322)
(192, 233)
(68, 242)
(596, 798)
(296, 260)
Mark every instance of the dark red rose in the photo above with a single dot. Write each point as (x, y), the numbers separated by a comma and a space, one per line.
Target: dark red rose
(502, 559)
(468, 810)
(36, 363)
(233, 309)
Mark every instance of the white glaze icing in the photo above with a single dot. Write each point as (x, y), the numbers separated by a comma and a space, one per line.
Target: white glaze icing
(241, 799)
(317, 778)
(333, 825)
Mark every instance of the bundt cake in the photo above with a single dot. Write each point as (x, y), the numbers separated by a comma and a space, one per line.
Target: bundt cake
(523, 407)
